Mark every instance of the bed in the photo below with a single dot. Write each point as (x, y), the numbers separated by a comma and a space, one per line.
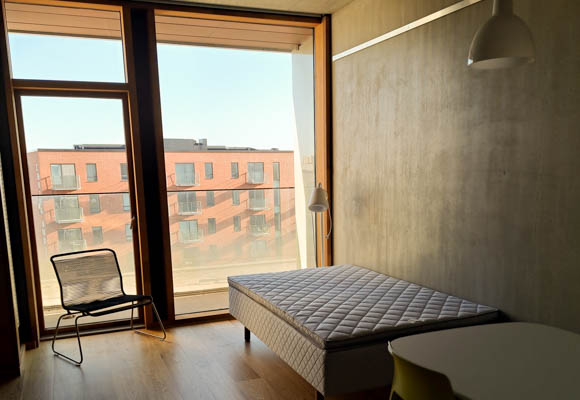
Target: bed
(331, 325)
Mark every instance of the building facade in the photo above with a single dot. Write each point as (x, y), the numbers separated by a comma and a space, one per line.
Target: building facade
(226, 206)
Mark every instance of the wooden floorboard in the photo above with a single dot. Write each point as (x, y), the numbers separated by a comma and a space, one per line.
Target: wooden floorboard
(202, 361)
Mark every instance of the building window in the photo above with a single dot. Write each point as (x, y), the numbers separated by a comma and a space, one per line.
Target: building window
(70, 240)
(124, 172)
(277, 199)
(276, 174)
(126, 202)
(185, 174)
(211, 226)
(210, 199)
(278, 222)
(258, 224)
(256, 172)
(236, 197)
(188, 231)
(257, 199)
(258, 248)
(187, 203)
(235, 171)
(128, 232)
(64, 177)
(94, 203)
(208, 170)
(97, 235)
(67, 209)
(91, 172)
(237, 223)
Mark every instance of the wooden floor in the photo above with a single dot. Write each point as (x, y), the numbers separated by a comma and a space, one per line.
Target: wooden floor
(204, 361)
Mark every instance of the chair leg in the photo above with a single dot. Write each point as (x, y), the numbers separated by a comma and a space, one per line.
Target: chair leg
(67, 316)
(246, 334)
(158, 319)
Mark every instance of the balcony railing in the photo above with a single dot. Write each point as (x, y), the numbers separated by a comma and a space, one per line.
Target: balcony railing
(258, 204)
(68, 215)
(191, 237)
(71, 245)
(255, 179)
(188, 180)
(258, 230)
(189, 208)
(67, 182)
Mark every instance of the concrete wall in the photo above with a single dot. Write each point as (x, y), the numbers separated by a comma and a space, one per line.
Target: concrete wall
(464, 181)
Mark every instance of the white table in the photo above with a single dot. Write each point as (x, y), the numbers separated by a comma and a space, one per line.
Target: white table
(500, 361)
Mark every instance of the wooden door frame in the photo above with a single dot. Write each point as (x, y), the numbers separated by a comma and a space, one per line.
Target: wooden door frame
(96, 91)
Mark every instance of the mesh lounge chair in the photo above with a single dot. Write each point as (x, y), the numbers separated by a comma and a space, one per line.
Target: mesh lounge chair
(91, 285)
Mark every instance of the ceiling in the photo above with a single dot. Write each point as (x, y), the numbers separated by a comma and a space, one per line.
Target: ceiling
(302, 6)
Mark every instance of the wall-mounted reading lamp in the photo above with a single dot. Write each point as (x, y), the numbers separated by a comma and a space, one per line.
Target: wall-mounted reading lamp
(319, 204)
(504, 41)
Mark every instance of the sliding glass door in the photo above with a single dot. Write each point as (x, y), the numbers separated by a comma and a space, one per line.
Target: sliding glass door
(238, 127)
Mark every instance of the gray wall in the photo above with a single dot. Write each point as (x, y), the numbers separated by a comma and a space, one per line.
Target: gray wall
(465, 181)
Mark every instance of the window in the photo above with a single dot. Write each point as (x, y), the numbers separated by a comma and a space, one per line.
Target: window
(128, 232)
(65, 43)
(70, 240)
(124, 172)
(277, 198)
(256, 172)
(67, 210)
(187, 203)
(258, 248)
(126, 202)
(257, 199)
(94, 204)
(235, 171)
(209, 198)
(237, 223)
(188, 231)
(258, 224)
(211, 226)
(208, 170)
(276, 173)
(97, 235)
(185, 174)
(236, 197)
(91, 172)
(63, 177)
(278, 222)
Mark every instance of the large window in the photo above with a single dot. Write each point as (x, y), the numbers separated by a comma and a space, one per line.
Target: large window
(91, 172)
(252, 111)
(64, 177)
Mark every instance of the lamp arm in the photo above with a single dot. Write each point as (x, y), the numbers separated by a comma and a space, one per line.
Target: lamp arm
(329, 229)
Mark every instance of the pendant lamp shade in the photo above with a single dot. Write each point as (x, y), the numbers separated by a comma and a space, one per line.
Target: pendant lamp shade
(504, 41)
(318, 200)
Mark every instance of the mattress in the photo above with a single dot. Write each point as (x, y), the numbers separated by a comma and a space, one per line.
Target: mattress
(347, 305)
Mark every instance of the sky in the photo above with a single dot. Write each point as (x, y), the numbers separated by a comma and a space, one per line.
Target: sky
(230, 97)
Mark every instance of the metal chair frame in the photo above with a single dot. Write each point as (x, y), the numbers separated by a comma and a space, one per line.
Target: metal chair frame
(80, 314)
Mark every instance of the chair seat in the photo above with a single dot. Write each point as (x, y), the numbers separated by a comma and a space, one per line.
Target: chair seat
(89, 308)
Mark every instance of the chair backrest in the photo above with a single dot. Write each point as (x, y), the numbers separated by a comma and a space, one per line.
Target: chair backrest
(87, 276)
(413, 382)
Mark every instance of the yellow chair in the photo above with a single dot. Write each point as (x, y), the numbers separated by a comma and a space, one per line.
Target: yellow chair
(412, 382)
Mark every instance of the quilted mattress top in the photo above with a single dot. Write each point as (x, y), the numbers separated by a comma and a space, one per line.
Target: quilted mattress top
(346, 304)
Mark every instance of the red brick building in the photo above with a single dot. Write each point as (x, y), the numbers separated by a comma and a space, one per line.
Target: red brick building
(226, 205)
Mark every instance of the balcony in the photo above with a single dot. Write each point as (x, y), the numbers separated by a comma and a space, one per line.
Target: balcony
(71, 245)
(255, 179)
(258, 204)
(190, 237)
(188, 180)
(258, 230)
(68, 215)
(189, 208)
(67, 182)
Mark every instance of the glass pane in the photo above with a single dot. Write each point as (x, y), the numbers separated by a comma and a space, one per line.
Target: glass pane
(65, 43)
(65, 135)
(253, 116)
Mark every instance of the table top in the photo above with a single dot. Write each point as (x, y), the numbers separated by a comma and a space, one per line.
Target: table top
(500, 361)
